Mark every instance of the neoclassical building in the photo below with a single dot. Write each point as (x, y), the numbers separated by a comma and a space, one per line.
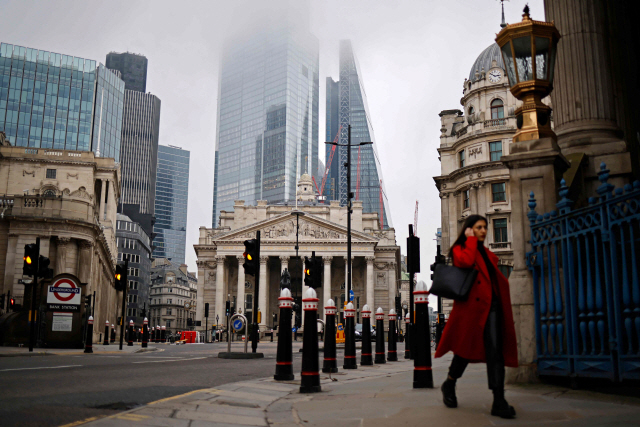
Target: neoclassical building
(318, 227)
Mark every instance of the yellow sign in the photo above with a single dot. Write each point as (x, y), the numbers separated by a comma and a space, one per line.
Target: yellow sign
(340, 334)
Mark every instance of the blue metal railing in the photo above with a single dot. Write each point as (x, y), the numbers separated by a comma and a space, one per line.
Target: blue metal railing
(586, 283)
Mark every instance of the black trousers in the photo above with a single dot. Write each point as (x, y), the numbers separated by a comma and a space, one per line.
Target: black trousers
(493, 352)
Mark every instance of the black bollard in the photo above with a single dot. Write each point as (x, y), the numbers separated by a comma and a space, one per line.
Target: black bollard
(380, 354)
(330, 363)
(106, 333)
(366, 359)
(284, 356)
(88, 344)
(422, 375)
(113, 332)
(145, 333)
(407, 349)
(392, 347)
(349, 338)
(310, 377)
(130, 342)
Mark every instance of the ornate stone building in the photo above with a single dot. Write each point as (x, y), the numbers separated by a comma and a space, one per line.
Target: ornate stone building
(68, 199)
(318, 227)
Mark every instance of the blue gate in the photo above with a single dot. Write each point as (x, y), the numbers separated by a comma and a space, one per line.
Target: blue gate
(586, 287)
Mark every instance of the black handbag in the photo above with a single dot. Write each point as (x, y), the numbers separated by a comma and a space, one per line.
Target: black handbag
(453, 282)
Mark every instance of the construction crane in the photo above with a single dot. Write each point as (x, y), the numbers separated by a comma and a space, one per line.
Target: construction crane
(415, 221)
(328, 166)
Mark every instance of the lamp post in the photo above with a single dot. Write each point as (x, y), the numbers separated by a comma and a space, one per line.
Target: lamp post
(348, 145)
(529, 52)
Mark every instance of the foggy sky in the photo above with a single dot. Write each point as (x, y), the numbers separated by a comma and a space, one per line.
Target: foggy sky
(413, 55)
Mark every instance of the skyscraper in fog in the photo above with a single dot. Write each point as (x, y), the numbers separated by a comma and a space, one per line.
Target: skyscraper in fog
(172, 196)
(267, 127)
(346, 104)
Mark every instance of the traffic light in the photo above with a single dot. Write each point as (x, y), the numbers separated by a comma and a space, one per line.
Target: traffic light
(251, 253)
(206, 309)
(121, 277)
(44, 271)
(228, 306)
(30, 258)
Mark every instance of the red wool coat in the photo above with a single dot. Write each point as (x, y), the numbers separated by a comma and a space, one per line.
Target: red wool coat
(464, 332)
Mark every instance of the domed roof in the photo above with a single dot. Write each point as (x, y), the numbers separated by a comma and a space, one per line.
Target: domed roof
(485, 59)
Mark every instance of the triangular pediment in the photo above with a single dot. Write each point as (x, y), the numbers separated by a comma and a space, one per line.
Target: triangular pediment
(283, 228)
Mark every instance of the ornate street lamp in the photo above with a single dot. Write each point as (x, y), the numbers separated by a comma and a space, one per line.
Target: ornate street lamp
(529, 53)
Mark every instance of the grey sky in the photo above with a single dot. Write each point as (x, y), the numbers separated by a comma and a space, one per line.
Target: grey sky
(413, 55)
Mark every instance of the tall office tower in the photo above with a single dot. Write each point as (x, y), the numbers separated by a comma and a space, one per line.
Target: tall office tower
(133, 68)
(347, 105)
(172, 196)
(49, 100)
(267, 127)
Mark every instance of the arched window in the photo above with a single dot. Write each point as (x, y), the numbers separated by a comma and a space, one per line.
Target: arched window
(497, 109)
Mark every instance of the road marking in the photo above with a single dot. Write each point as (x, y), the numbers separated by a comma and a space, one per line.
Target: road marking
(42, 367)
(172, 360)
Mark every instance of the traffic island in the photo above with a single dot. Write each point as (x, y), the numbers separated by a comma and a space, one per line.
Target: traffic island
(239, 355)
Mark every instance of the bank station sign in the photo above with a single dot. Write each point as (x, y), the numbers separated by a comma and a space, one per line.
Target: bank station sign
(64, 294)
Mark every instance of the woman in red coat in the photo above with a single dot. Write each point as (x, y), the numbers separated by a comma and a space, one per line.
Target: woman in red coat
(480, 329)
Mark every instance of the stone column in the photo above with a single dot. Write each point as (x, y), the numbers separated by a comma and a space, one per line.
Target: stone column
(221, 296)
(61, 255)
(102, 198)
(370, 284)
(326, 286)
(262, 302)
(84, 260)
(240, 294)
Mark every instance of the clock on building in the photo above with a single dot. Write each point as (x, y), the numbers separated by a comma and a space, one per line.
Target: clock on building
(495, 76)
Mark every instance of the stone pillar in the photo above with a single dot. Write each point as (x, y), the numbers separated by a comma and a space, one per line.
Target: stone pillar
(84, 260)
(61, 255)
(240, 294)
(536, 166)
(370, 284)
(220, 291)
(326, 286)
(102, 198)
(262, 302)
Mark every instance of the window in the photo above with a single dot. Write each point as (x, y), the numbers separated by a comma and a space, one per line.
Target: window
(51, 174)
(500, 230)
(497, 109)
(495, 148)
(498, 191)
(461, 157)
(465, 194)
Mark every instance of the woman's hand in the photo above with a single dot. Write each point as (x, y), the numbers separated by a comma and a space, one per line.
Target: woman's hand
(469, 232)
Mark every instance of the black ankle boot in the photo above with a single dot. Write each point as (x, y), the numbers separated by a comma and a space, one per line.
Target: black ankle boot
(500, 406)
(449, 393)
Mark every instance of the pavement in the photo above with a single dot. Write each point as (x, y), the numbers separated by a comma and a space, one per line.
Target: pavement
(376, 396)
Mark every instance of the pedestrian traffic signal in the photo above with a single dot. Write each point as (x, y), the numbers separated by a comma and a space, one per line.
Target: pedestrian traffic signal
(44, 271)
(251, 251)
(206, 309)
(121, 277)
(30, 258)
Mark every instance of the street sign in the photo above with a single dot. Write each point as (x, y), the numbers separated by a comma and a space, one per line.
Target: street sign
(237, 324)
(351, 295)
(64, 294)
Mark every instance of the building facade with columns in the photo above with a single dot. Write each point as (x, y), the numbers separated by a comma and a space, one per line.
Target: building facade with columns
(68, 199)
(319, 228)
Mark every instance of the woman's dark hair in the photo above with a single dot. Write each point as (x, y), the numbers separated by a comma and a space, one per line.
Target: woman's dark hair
(468, 223)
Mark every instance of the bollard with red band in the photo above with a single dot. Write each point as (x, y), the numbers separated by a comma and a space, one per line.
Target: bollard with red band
(163, 334)
(284, 356)
(349, 338)
(310, 377)
(380, 354)
(330, 363)
(422, 375)
(130, 341)
(113, 332)
(145, 333)
(366, 358)
(88, 344)
(407, 349)
(106, 333)
(392, 347)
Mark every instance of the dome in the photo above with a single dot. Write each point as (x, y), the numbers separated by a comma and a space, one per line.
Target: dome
(484, 60)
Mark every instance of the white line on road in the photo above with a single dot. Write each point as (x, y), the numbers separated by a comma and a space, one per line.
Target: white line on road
(41, 367)
(173, 360)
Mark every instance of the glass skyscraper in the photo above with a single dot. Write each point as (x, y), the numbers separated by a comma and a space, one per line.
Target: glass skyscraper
(347, 105)
(267, 128)
(49, 100)
(172, 196)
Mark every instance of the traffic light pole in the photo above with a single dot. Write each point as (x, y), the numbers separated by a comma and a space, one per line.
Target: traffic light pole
(254, 327)
(34, 286)
(124, 300)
